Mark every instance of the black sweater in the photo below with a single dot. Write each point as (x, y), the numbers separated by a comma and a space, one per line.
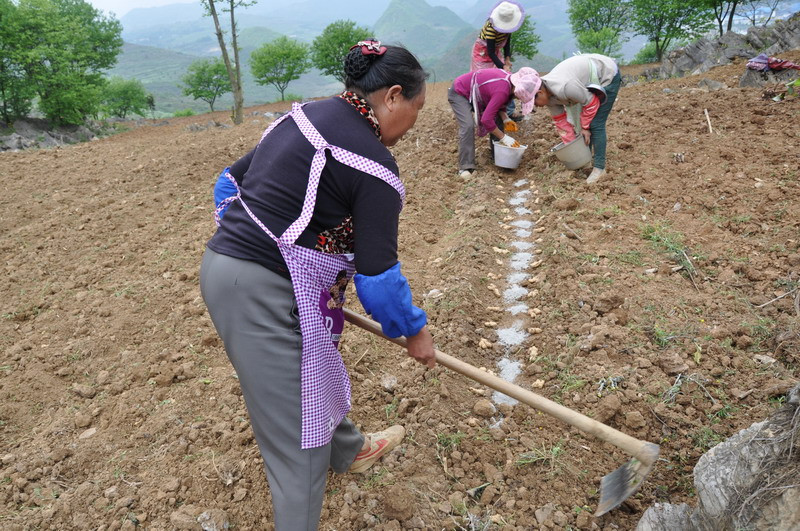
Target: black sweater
(273, 179)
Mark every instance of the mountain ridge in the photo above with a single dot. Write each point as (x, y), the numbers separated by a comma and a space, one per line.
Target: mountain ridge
(439, 32)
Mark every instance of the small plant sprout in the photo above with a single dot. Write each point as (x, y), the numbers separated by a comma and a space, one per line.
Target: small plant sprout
(449, 441)
(544, 455)
(676, 388)
(612, 383)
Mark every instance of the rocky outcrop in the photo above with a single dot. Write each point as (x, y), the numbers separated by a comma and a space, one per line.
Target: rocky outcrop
(37, 133)
(754, 78)
(704, 54)
(746, 482)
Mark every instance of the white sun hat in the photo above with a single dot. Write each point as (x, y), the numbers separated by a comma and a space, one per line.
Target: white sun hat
(507, 16)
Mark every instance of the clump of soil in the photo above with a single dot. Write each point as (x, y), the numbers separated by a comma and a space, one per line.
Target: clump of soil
(664, 298)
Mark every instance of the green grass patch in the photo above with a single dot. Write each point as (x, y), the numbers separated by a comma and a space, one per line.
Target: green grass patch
(449, 441)
(630, 257)
(663, 237)
(662, 337)
(548, 457)
(377, 479)
(705, 438)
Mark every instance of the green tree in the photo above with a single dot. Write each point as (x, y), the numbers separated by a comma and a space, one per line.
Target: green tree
(232, 67)
(206, 79)
(16, 94)
(525, 41)
(647, 54)
(599, 25)
(605, 41)
(65, 45)
(279, 62)
(596, 15)
(122, 97)
(331, 46)
(663, 21)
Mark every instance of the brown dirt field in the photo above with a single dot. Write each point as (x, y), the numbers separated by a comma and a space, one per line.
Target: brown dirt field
(120, 409)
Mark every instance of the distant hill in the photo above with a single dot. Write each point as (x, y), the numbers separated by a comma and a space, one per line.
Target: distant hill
(160, 71)
(424, 29)
(148, 63)
(301, 20)
(145, 19)
(441, 35)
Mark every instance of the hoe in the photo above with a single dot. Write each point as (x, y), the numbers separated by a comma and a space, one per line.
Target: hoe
(615, 487)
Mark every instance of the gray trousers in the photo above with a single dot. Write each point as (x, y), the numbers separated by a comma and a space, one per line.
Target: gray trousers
(462, 108)
(255, 313)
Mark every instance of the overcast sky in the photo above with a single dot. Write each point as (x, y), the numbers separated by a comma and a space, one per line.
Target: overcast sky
(120, 7)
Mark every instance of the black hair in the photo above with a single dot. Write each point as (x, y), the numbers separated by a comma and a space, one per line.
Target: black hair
(365, 74)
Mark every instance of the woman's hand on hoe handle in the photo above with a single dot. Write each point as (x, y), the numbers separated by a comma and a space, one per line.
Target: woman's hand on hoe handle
(420, 347)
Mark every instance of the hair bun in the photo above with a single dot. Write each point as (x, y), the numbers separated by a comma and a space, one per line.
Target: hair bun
(356, 64)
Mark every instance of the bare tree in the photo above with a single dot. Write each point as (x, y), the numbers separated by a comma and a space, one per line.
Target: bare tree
(754, 9)
(233, 67)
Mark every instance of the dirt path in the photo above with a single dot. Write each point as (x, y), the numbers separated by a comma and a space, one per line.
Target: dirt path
(120, 408)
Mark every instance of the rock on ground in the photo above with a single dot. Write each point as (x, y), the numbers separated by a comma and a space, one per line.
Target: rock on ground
(746, 482)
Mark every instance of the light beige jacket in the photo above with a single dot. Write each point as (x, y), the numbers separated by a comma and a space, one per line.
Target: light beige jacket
(567, 81)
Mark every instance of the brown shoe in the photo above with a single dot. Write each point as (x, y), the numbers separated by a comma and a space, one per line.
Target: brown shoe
(380, 443)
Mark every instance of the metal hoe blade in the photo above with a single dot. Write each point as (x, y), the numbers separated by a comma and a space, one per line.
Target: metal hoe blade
(620, 484)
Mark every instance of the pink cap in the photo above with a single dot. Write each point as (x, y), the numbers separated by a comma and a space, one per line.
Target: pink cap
(526, 83)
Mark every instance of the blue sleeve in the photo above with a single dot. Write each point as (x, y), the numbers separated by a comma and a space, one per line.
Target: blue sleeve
(223, 189)
(387, 298)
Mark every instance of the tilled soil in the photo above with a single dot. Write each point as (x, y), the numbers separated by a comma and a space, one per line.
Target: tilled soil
(662, 301)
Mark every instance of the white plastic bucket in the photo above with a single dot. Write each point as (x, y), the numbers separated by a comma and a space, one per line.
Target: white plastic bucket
(573, 155)
(508, 157)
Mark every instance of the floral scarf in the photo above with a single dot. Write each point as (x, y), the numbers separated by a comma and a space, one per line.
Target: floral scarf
(363, 107)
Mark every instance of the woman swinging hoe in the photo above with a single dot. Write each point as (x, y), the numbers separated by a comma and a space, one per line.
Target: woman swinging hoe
(318, 198)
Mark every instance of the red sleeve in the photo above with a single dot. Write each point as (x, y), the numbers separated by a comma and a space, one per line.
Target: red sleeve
(589, 111)
(565, 129)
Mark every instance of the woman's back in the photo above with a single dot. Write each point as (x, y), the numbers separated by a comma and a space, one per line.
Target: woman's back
(273, 183)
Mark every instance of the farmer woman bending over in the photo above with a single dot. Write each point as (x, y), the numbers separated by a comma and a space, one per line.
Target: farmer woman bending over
(580, 92)
(319, 186)
(486, 93)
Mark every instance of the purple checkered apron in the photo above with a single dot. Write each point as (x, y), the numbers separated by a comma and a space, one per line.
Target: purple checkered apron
(324, 381)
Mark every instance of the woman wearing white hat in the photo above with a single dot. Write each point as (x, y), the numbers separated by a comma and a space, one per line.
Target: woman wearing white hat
(492, 49)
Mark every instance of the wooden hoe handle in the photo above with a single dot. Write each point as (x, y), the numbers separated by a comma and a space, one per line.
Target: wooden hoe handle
(639, 449)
